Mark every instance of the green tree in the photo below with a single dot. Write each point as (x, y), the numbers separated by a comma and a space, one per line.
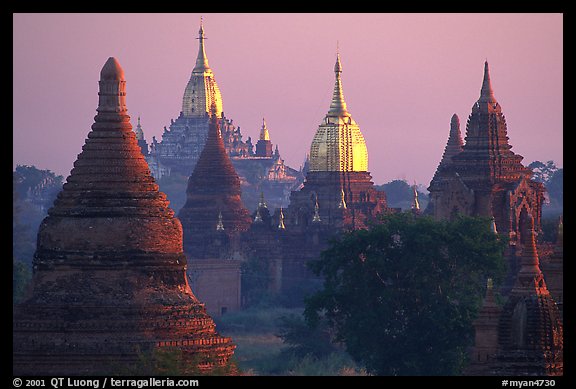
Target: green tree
(402, 295)
(399, 194)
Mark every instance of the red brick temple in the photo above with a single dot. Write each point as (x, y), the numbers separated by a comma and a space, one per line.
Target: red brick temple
(486, 178)
(109, 283)
(213, 216)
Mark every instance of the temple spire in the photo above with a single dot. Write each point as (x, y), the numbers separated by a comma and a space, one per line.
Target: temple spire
(202, 59)
(342, 203)
(262, 202)
(316, 217)
(264, 134)
(281, 225)
(415, 202)
(530, 263)
(220, 225)
(486, 93)
(112, 93)
(338, 105)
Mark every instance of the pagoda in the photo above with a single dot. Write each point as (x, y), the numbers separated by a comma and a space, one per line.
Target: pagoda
(526, 333)
(109, 283)
(213, 216)
(338, 178)
(485, 178)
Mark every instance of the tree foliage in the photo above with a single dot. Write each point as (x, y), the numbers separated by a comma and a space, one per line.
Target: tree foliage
(543, 172)
(399, 194)
(402, 295)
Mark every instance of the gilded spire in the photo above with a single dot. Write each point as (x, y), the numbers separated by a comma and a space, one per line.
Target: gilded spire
(415, 202)
(264, 134)
(342, 203)
(281, 225)
(202, 59)
(338, 105)
(486, 93)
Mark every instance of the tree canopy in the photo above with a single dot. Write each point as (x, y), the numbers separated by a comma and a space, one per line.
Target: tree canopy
(402, 295)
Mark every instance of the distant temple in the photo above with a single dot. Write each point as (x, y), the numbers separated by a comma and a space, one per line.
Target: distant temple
(183, 142)
(337, 195)
(483, 177)
(524, 337)
(109, 283)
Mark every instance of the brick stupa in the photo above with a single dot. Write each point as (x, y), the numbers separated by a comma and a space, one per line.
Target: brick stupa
(213, 216)
(109, 281)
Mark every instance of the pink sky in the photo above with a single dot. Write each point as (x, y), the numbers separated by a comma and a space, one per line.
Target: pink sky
(404, 75)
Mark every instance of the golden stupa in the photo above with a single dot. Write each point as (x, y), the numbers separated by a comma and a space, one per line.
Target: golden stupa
(201, 91)
(338, 144)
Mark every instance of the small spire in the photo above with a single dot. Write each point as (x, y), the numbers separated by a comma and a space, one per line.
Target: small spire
(489, 299)
(316, 217)
(202, 59)
(560, 234)
(138, 130)
(415, 202)
(342, 204)
(262, 203)
(493, 226)
(338, 105)
(112, 88)
(220, 225)
(486, 93)
(529, 262)
(264, 134)
(281, 225)
(258, 217)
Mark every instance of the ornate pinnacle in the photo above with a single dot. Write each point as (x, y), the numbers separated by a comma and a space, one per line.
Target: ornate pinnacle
(202, 59)
(258, 217)
(338, 105)
(220, 225)
(264, 134)
(316, 217)
(112, 94)
(281, 225)
(342, 204)
(262, 203)
(493, 226)
(415, 202)
(486, 93)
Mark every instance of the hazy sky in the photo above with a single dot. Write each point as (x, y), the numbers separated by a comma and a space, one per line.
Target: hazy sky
(404, 75)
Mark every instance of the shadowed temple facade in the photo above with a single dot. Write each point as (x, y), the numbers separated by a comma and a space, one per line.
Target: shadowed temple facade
(483, 177)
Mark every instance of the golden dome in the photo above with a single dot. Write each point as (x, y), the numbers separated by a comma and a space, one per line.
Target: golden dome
(338, 144)
(202, 91)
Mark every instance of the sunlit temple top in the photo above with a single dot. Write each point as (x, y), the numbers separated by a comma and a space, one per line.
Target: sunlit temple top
(338, 144)
(264, 134)
(202, 90)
